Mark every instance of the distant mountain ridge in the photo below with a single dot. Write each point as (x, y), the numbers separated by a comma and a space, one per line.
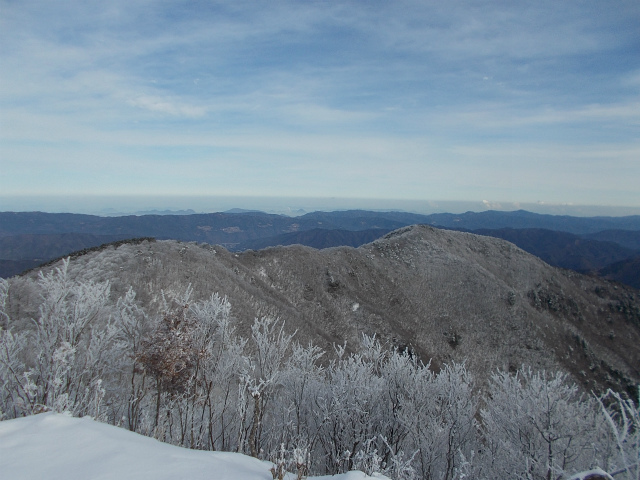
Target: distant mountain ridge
(490, 219)
(626, 238)
(256, 224)
(579, 243)
(563, 249)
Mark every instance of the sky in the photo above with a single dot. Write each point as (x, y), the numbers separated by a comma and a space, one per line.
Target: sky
(494, 102)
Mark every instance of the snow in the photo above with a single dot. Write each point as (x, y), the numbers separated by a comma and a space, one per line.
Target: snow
(355, 475)
(591, 473)
(58, 446)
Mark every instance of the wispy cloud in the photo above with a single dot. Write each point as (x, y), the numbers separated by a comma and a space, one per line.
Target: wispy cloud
(424, 98)
(168, 107)
(494, 116)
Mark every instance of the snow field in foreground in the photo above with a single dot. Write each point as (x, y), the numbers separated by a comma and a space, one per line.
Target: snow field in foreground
(56, 446)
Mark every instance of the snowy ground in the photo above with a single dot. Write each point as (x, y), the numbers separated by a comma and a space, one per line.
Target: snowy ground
(55, 446)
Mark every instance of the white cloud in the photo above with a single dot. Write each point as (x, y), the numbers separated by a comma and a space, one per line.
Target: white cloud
(168, 107)
(485, 116)
(492, 205)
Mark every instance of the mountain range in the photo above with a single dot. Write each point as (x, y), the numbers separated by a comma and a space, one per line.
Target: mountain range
(605, 246)
(446, 295)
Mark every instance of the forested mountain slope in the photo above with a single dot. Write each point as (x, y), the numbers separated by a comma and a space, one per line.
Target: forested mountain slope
(449, 296)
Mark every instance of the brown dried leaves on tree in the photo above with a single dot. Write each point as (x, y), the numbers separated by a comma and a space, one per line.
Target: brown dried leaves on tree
(169, 355)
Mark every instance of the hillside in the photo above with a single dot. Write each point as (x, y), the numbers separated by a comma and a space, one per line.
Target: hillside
(450, 296)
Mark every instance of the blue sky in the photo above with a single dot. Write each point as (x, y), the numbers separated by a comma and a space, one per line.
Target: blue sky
(418, 100)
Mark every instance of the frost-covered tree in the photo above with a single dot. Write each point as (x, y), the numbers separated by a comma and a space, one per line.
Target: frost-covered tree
(620, 448)
(349, 406)
(169, 357)
(537, 425)
(438, 412)
(195, 360)
(295, 421)
(270, 347)
(15, 386)
(69, 345)
(4, 293)
(214, 420)
(132, 324)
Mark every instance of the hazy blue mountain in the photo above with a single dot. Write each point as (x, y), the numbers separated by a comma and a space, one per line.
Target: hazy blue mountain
(563, 249)
(523, 219)
(246, 225)
(626, 238)
(626, 271)
(581, 243)
(242, 210)
(38, 246)
(9, 268)
(211, 228)
(476, 220)
(165, 212)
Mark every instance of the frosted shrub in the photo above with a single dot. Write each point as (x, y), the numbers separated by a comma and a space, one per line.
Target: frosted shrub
(367, 459)
(438, 412)
(271, 347)
(195, 362)
(622, 419)
(300, 459)
(186, 377)
(537, 426)
(350, 411)
(399, 467)
(293, 421)
(16, 389)
(60, 362)
(70, 342)
(4, 293)
(132, 325)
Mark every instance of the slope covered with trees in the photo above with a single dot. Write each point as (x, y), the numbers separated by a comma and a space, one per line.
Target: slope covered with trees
(465, 357)
(187, 378)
